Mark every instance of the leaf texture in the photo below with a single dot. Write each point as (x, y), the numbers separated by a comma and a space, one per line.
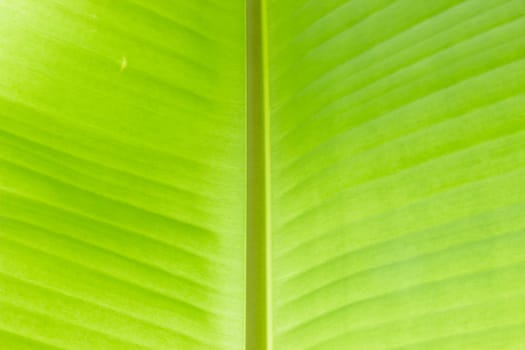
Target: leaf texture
(397, 154)
(398, 180)
(122, 186)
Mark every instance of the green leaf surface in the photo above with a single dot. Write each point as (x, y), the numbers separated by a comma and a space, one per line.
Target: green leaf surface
(262, 174)
(398, 191)
(122, 162)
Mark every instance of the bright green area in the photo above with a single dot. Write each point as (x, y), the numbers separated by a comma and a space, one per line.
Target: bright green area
(362, 162)
(398, 179)
(122, 162)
